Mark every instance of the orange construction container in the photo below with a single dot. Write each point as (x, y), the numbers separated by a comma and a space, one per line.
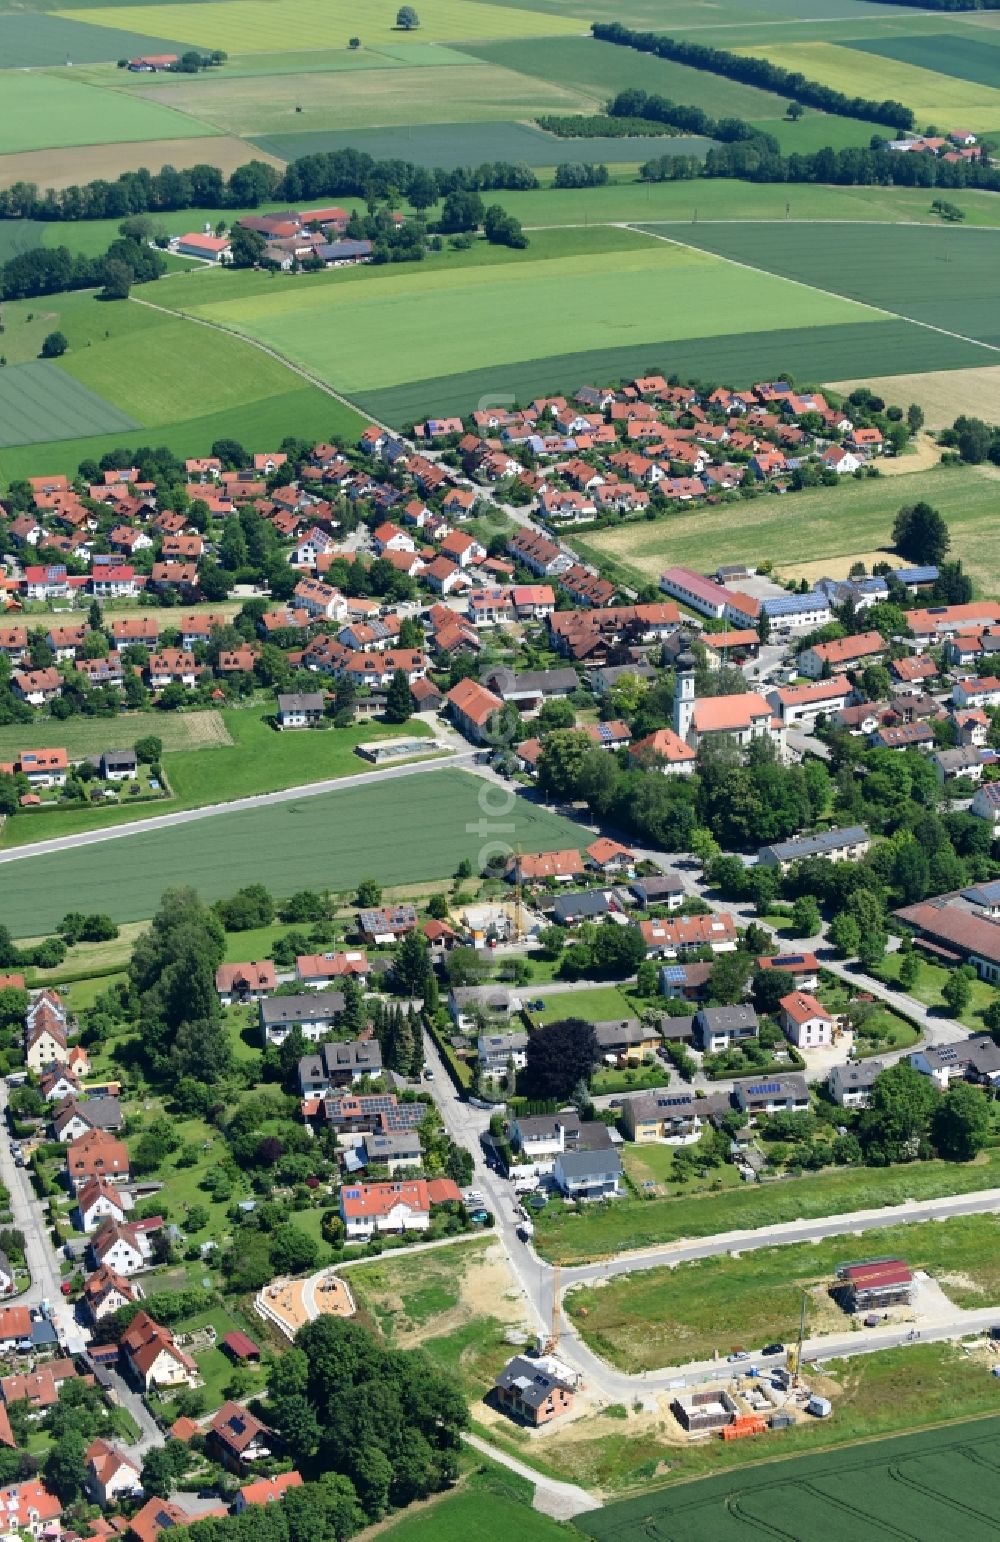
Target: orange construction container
(746, 1424)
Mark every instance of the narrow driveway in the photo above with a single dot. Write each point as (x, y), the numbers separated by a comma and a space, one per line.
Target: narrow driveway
(560, 1500)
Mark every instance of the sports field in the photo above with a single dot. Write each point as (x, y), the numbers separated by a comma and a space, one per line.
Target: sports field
(820, 522)
(938, 1483)
(261, 26)
(945, 277)
(37, 398)
(43, 112)
(365, 336)
(411, 828)
(941, 99)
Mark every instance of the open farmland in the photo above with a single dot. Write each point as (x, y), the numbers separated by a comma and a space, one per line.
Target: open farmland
(940, 1482)
(259, 26)
(371, 335)
(30, 41)
(939, 276)
(839, 522)
(967, 58)
(600, 70)
(89, 736)
(941, 99)
(670, 1316)
(355, 100)
(37, 398)
(205, 384)
(450, 144)
(399, 832)
(73, 166)
(943, 394)
(43, 112)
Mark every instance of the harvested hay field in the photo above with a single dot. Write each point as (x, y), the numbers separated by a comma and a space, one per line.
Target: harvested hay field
(64, 168)
(943, 394)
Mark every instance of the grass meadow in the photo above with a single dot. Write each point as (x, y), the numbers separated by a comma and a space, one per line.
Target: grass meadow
(33, 41)
(258, 26)
(626, 1224)
(42, 112)
(965, 57)
(822, 522)
(659, 1317)
(90, 735)
(377, 334)
(404, 831)
(133, 374)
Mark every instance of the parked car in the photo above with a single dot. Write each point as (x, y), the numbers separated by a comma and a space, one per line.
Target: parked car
(738, 1354)
(773, 1349)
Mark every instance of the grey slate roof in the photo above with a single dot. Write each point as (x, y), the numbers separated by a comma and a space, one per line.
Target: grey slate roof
(311, 1007)
(817, 845)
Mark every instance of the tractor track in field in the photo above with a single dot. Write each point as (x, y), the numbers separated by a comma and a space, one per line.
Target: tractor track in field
(273, 353)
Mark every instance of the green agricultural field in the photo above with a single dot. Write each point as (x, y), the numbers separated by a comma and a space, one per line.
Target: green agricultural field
(934, 98)
(806, 353)
(251, 758)
(967, 58)
(802, 532)
(407, 830)
(385, 333)
(449, 144)
(204, 384)
(940, 1482)
(941, 276)
(695, 1310)
(627, 1224)
(45, 112)
(599, 70)
(18, 236)
(31, 41)
(349, 102)
(36, 399)
(593, 1004)
(466, 1517)
(257, 26)
(721, 15)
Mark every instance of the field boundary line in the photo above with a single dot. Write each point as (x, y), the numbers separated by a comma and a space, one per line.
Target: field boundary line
(58, 843)
(281, 358)
(879, 310)
(641, 227)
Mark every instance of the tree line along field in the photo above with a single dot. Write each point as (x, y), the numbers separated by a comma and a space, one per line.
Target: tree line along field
(403, 831)
(940, 1482)
(808, 527)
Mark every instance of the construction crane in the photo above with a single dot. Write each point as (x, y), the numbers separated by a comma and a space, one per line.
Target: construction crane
(518, 897)
(795, 1355)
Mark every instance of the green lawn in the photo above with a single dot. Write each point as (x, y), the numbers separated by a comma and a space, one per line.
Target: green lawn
(670, 1316)
(654, 1164)
(256, 759)
(594, 1004)
(806, 528)
(47, 111)
(929, 984)
(214, 1365)
(403, 831)
(80, 736)
(627, 1224)
(470, 1515)
(499, 314)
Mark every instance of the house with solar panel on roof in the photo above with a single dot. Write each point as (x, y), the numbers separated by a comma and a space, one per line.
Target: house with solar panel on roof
(771, 1094)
